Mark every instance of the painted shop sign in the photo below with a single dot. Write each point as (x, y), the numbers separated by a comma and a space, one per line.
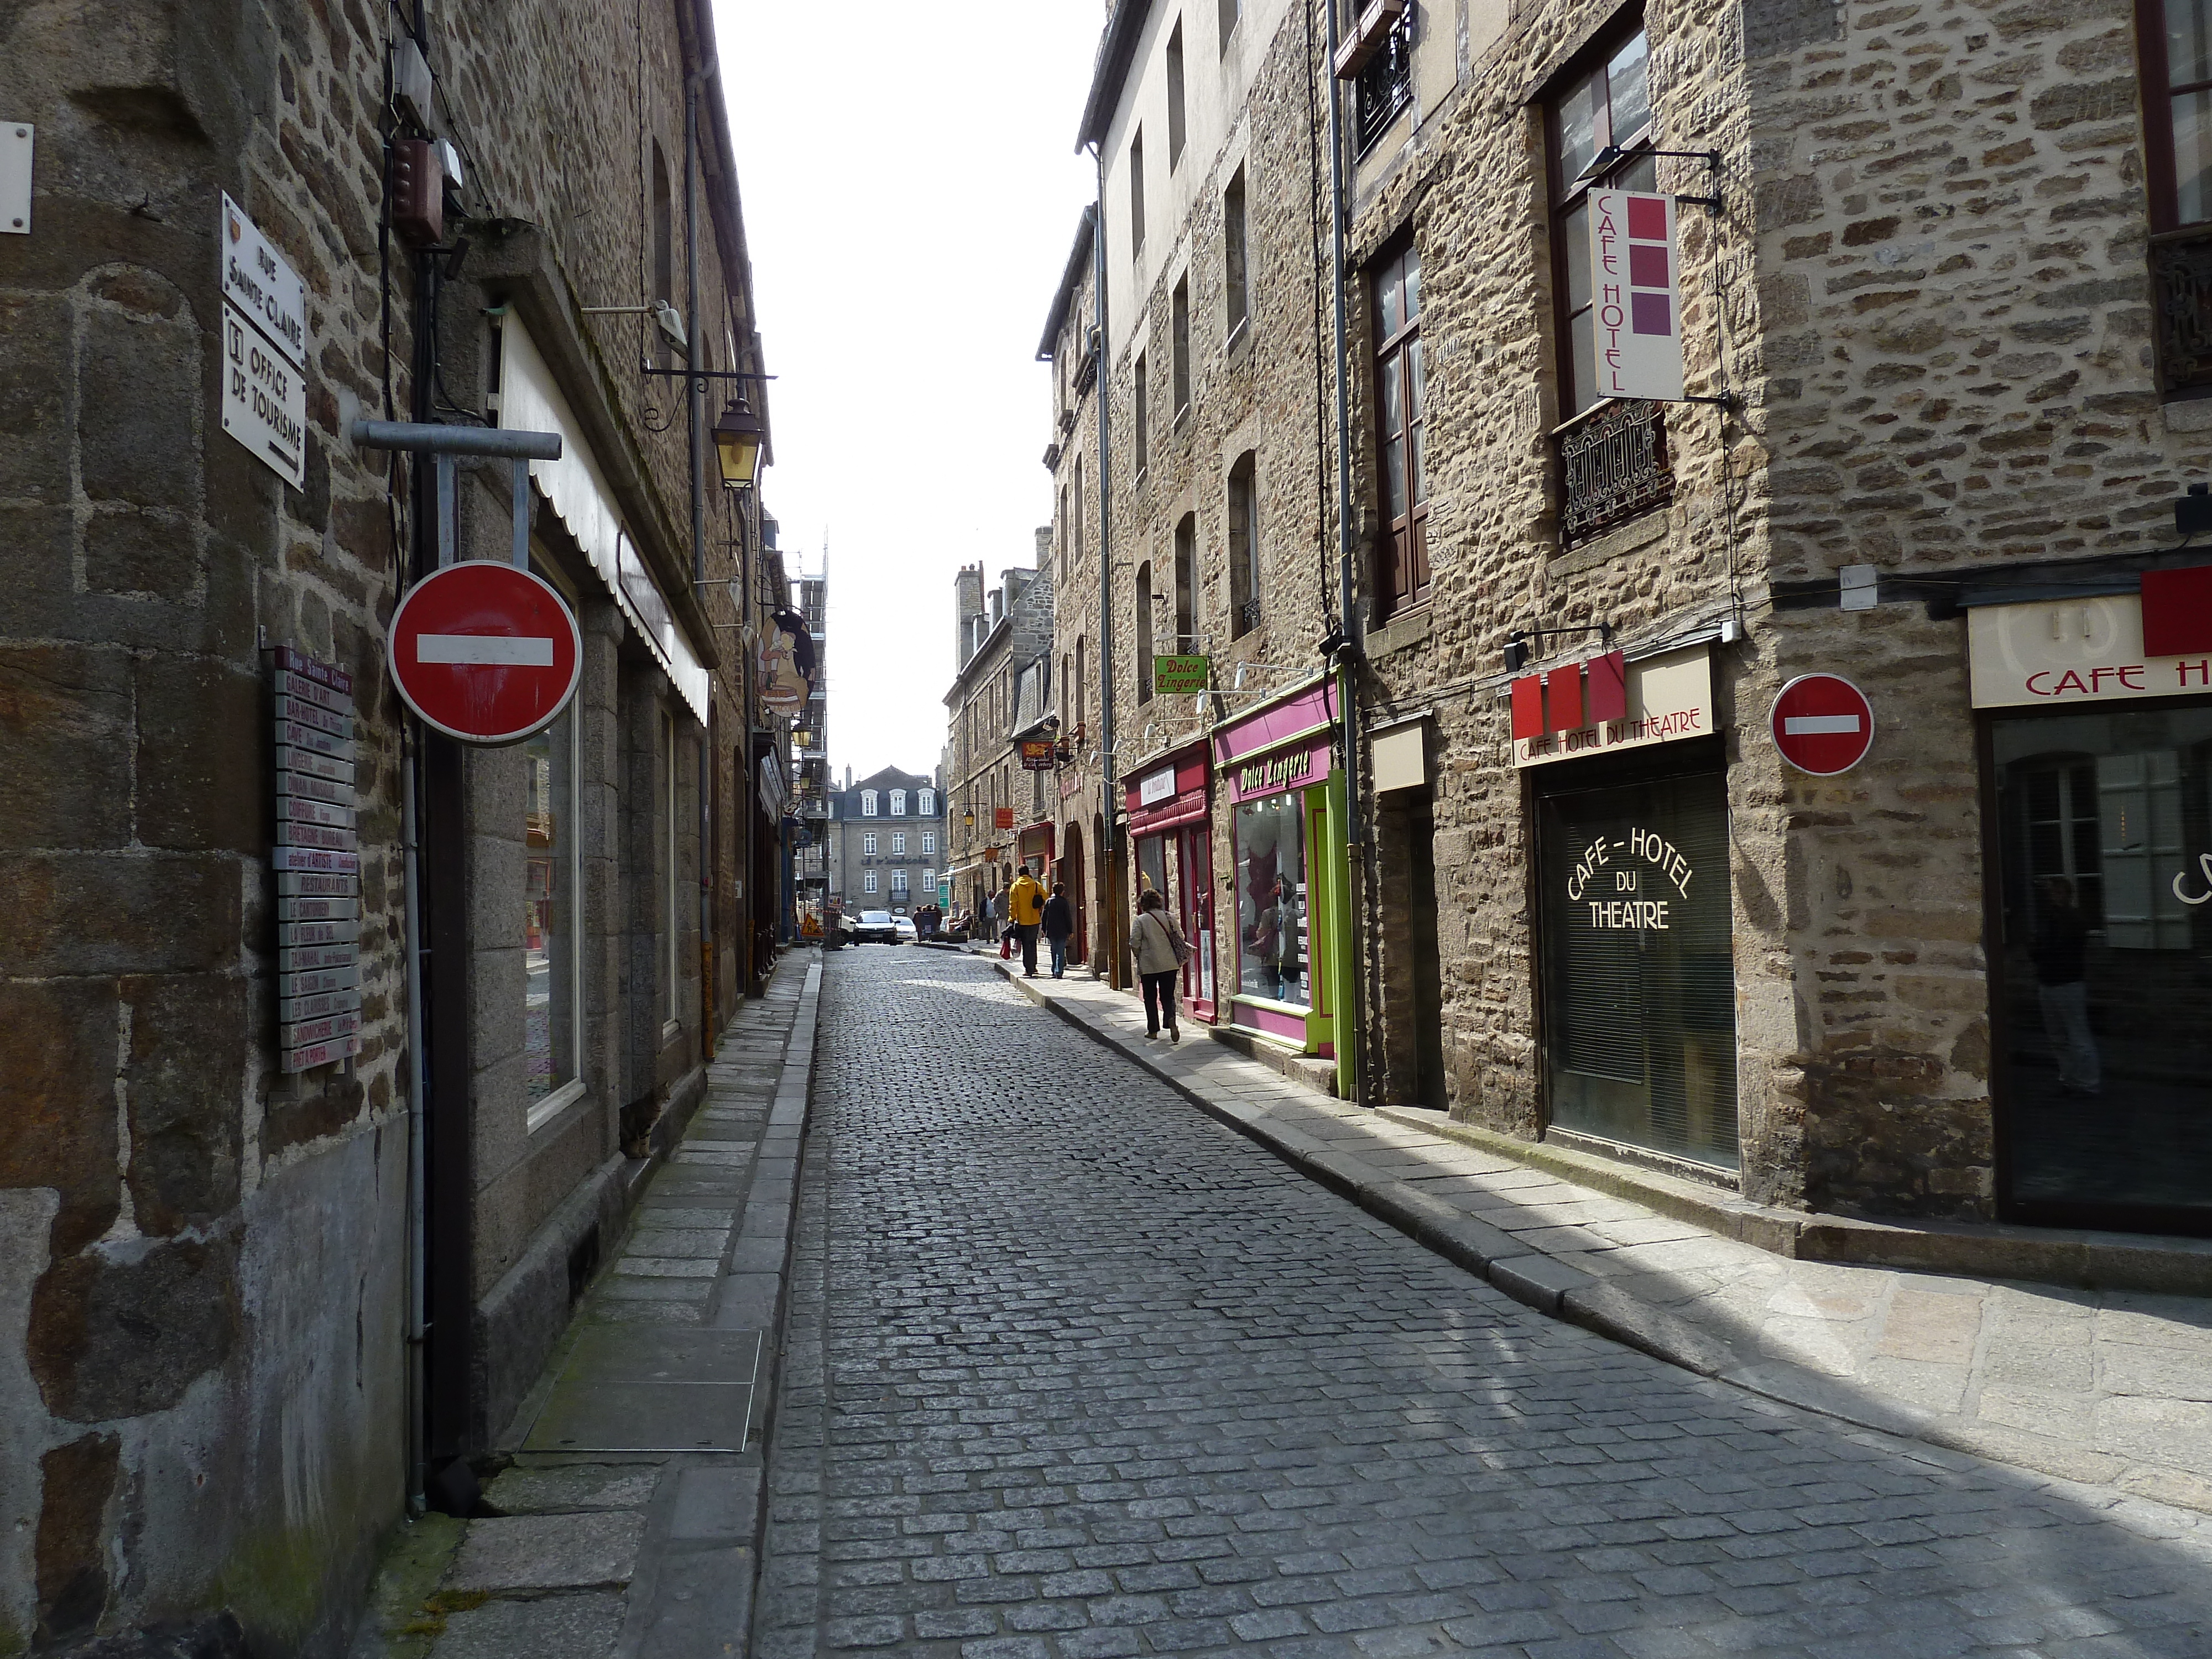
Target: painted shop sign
(1158, 787)
(1662, 699)
(2074, 651)
(1609, 878)
(1637, 309)
(1265, 777)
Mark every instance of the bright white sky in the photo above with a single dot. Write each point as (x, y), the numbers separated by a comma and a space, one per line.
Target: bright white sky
(911, 190)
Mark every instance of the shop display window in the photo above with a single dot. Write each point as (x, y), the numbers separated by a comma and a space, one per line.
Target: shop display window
(2104, 877)
(549, 908)
(1271, 908)
(1639, 981)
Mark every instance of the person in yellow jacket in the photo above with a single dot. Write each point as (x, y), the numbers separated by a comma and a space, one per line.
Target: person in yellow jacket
(1025, 908)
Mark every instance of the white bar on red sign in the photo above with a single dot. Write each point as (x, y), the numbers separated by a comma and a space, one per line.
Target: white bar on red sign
(321, 766)
(291, 708)
(318, 909)
(311, 959)
(315, 788)
(313, 857)
(318, 981)
(320, 1054)
(298, 686)
(298, 663)
(302, 883)
(298, 809)
(317, 1031)
(316, 932)
(292, 1010)
(306, 737)
(1636, 298)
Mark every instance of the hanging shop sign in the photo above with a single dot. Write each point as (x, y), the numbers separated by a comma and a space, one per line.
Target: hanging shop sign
(1822, 724)
(1610, 703)
(1037, 754)
(1174, 677)
(2104, 647)
(1002, 817)
(1636, 305)
(485, 653)
(787, 658)
(265, 348)
(317, 861)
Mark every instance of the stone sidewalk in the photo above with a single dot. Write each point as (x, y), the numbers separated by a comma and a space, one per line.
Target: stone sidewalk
(625, 1523)
(2107, 1386)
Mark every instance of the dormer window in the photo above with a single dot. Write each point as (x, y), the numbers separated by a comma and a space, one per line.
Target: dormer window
(927, 808)
(867, 803)
(898, 803)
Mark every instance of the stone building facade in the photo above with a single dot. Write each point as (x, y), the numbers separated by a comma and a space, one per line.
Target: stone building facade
(220, 1388)
(996, 813)
(1936, 281)
(887, 846)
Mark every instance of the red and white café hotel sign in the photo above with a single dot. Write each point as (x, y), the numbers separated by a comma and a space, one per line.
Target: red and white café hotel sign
(1609, 703)
(2103, 647)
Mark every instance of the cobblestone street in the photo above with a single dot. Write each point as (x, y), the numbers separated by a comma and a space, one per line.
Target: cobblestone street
(1073, 1369)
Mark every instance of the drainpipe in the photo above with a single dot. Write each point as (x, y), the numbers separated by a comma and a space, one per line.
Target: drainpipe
(418, 1459)
(1351, 634)
(1112, 922)
(695, 402)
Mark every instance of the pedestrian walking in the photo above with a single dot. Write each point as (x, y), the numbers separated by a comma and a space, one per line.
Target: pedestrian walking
(1059, 928)
(1025, 908)
(1161, 951)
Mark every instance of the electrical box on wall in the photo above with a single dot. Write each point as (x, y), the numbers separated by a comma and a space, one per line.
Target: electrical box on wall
(418, 192)
(411, 84)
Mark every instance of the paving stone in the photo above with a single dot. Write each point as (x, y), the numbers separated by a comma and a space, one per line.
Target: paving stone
(571, 1486)
(528, 1552)
(1074, 1369)
(572, 1626)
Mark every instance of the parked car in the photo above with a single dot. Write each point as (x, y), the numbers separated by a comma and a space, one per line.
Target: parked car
(874, 927)
(907, 935)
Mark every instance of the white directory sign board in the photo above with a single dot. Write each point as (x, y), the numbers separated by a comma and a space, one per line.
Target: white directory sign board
(265, 348)
(1636, 297)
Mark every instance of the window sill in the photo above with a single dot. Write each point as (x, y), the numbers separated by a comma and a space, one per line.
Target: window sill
(1406, 628)
(552, 1106)
(1239, 341)
(1620, 542)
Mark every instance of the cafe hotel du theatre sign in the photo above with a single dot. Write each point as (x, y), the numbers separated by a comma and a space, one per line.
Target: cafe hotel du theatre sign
(1609, 704)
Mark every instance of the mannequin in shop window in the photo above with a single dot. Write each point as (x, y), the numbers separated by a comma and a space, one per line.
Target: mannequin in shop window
(2061, 956)
(1274, 940)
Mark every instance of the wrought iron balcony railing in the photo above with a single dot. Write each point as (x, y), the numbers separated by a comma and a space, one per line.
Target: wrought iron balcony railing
(1612, 467)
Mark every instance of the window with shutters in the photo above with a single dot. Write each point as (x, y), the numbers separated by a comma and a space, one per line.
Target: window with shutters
(1639, 981)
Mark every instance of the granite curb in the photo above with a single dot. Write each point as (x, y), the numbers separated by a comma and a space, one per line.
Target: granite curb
(1537, 1278)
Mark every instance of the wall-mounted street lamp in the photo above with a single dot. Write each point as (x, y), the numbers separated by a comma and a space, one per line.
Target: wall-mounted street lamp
(738, 437)
(968, 817)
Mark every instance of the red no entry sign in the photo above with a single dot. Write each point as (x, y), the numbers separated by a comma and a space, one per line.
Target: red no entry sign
(485, 653)
(1823, 723)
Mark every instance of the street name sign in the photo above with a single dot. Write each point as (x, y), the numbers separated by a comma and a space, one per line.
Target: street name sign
(265, 348)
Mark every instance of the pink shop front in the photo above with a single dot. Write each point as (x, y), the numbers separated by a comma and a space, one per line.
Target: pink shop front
(1288, 890)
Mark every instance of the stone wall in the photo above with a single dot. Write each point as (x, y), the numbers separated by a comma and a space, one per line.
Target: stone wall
(202, 1322)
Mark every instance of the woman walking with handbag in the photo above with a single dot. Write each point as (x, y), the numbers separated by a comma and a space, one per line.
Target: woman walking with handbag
(1161, 951)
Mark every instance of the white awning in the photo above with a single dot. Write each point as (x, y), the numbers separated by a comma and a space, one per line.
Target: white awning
(528, 398)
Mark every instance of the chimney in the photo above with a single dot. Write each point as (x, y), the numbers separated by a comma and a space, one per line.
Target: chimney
(1044, 547)
(967, 605)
